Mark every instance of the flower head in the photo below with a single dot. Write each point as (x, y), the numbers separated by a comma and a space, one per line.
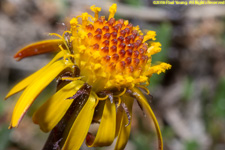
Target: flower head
(100, 66)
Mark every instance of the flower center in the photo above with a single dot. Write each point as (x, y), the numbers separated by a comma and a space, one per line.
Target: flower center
(121, 47)
(112, 53)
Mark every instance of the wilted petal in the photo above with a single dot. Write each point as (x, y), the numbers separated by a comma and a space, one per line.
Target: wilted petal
(39, 48)
(123, 131)
(33, 90)
(51, 112)
(80, 126)
(25, 82)
(107, 127)
(145, 105)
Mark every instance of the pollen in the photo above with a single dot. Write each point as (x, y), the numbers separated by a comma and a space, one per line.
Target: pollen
(116, 46)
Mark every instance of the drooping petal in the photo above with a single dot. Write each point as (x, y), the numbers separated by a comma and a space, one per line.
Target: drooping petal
(33, 90)
(144, 103)
(59, 133)
(107, 127)
(123, 131)
(39, 48)
(80, 126)
(51, 112)
(25, 82)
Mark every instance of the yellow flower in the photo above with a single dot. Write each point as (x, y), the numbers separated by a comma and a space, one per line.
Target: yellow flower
(100, 66)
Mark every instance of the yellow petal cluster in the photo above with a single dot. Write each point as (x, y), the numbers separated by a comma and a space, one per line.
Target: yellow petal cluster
(112, 57)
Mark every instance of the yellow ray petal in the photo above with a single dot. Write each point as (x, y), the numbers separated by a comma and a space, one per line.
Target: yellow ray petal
(107, 127)
(32, 91)
(123, 131)
(25, 82)
(51, 112)
(39, 48)
(80, 126)
(144, 103)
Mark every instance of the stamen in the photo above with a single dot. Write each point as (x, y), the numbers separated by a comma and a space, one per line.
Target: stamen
(158, 68)
(145, 88)
(96, 10)
(112, 11)
(124, 91)
(102, 98)
(119, 102)
(55, 34)
(66, 32)
(66, 55)
(99, 98)
(154, 48)
(150, 35)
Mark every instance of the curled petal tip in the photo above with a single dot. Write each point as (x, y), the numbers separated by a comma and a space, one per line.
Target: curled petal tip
(38, 48)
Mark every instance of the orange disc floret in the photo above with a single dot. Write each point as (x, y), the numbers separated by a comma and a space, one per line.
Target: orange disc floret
(119, 44)
(111, 50)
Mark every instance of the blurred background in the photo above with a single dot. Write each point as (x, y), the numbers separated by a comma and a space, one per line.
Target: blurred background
(189, 100)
